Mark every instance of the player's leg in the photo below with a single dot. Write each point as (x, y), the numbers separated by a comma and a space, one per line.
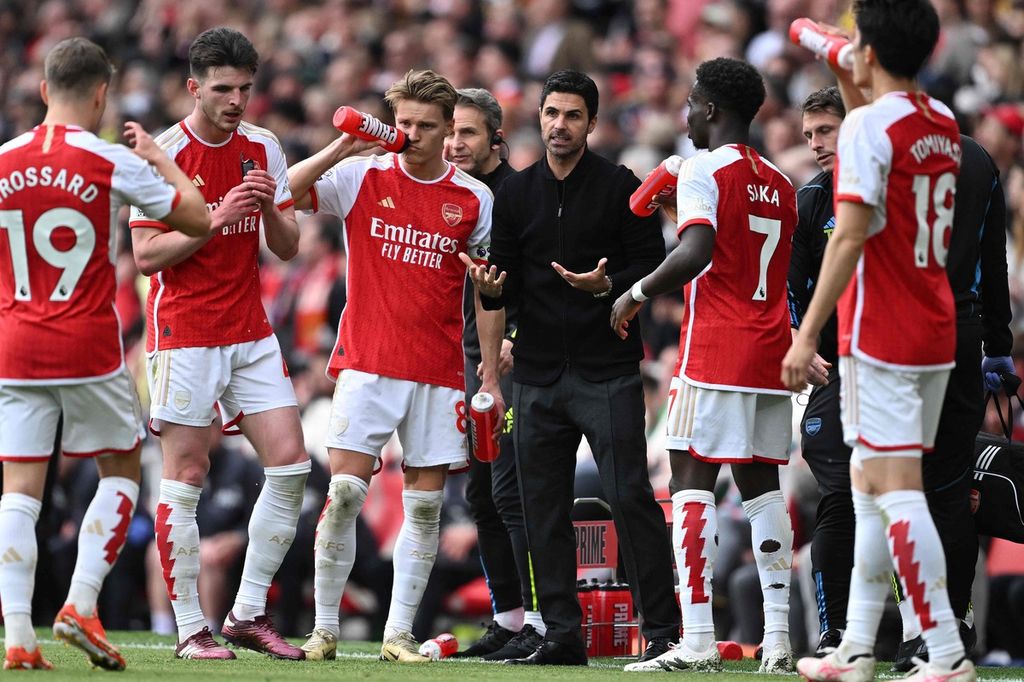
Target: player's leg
(365, 411)
(28, 426)
(832, 544)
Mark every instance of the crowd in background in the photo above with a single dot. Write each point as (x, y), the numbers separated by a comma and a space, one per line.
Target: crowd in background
(317, 56)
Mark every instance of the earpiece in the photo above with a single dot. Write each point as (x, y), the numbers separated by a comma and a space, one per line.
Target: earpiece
(496, 139)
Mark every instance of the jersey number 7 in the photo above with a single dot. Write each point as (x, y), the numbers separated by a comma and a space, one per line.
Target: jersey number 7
(772, 230)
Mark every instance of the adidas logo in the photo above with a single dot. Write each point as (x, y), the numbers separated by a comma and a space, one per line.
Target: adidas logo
(386, 203)
(780, 565)
(96, 528)
(198, 180)
(11, 556)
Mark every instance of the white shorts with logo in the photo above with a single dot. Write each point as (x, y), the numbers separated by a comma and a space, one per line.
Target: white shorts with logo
(188, 385)
(430, 420)
(890, 413)
(729, 426)
(99, 417)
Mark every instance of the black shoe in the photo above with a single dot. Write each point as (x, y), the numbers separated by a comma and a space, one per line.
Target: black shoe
(829, 642)
(907, 652)
(656, 647)
(969, 637)
(494, 639)
(524, 643)
(553, 653)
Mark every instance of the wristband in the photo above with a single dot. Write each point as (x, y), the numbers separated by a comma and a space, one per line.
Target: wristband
(638, 293)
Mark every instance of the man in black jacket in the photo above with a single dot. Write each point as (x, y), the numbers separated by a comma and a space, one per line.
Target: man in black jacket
(564, 245)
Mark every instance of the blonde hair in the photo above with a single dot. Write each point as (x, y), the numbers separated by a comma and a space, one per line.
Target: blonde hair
(426, 87)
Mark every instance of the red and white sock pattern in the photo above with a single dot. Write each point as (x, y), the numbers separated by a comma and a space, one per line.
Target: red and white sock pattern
(271, 532)
(334, 549)
(921, 566)
(771, 535)
(695, 543)
(18, 554)
(103, 534)
(415, 552)
(869, 581)
(177, 542)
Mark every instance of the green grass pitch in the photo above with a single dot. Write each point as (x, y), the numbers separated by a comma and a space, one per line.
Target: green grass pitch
(151, 657)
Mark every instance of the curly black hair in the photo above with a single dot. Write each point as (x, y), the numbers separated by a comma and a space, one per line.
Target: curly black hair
(732, 85)
(902, 32)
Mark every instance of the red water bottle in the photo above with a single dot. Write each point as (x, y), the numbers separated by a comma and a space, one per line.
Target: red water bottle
(483, 416)
(660, 183)
(585, 593)
(367, 127)
(440, 647)
(836, 49)
(620, 607)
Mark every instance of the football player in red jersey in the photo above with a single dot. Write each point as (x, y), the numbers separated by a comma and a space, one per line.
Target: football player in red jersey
(210, 344)
(60, 338)
(399, 364)
(736, 215)
(897, 166)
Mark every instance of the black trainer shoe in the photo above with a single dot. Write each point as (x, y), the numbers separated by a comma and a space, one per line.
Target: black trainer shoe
(656, 647)
(829, 642)
(907, 652)
(522, 645)
(495, 638)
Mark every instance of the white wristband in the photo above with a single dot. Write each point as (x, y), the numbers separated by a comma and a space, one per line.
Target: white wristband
(638, 293)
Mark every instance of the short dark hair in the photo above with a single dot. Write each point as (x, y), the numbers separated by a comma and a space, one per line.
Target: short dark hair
(573, 83)
(827, 100)
(732, 85)
(75, 66)
(902, 32)
(221, 46)
(485, 102)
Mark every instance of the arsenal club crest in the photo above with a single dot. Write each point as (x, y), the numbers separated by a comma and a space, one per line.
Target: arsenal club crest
(452, 214)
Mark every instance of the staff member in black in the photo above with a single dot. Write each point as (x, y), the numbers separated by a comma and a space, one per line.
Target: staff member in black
(820, 428)
(493, 490)
(573, 376)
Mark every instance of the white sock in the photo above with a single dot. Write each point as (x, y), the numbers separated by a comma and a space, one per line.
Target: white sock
(414, 555)
(536, 620)
(103, 533)
(18, 516)
(771, 535)
(271, 532)
(921, 566)
(869, 581)
(911, 627)
(177, 542)
(511, 619)
(334, 550)
(695, 542)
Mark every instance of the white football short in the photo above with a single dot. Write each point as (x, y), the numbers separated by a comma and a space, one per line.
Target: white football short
(430, 420)
(890, 413)
(99, 417)
(729, 427)
(188, 385)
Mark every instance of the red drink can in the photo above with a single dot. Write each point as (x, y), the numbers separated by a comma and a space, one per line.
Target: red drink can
(660, 183)
(367, 127)
(483, 416)
(440, 647)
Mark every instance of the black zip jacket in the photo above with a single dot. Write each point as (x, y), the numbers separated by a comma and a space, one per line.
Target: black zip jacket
(538, 219)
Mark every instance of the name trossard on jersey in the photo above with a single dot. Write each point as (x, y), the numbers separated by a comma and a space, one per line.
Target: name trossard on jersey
(61, 188)
(403, 316)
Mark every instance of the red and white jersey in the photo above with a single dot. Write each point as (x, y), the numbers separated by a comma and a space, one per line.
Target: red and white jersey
(900, 155)
(403, 317)
(60, 191)
(212, 298)
(735, 328)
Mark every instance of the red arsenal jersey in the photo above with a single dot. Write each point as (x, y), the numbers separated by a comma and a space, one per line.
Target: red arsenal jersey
(900, 155)
(60, 191)
(403, 318)
(735, 328)
(212, 298)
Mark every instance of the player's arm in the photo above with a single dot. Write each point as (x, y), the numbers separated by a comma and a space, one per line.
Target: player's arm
(995, 291)
(490, 328)
(189, 214)
(687, 260)
(303, 175)
(801, 259)
(279, 225)
(501, 283)
(155, 248)
(837, 265)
